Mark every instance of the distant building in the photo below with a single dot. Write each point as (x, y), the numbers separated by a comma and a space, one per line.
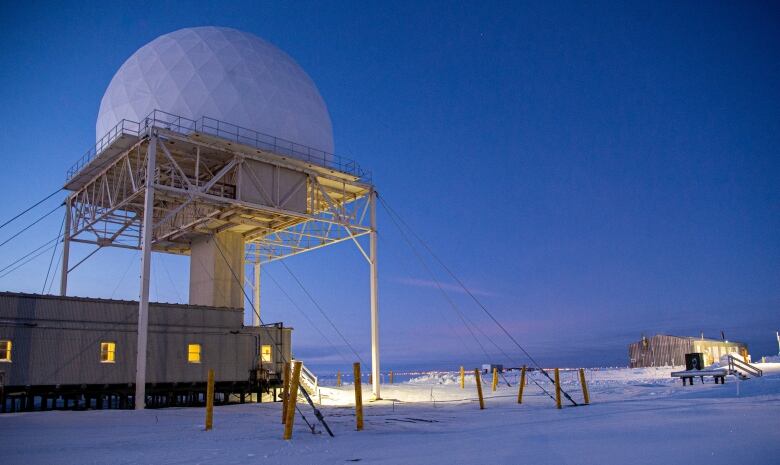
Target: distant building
(664, 350)
(488, 367)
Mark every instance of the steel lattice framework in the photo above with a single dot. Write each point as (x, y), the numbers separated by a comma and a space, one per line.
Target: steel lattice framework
(195, 183)
(159, 184)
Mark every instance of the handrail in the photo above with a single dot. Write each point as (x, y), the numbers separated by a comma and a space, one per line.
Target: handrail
(124, 126)
(224, 130)
(309, 376)
(735, 363)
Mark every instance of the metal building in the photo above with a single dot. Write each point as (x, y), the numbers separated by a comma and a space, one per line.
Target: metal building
(73, 347)
(665, 350)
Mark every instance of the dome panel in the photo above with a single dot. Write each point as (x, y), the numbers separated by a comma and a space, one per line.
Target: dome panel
(220, 73)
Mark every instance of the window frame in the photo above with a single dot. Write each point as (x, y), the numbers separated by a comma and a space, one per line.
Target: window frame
(8, 351)
(190, 345)
(270, 353)
(110, 351)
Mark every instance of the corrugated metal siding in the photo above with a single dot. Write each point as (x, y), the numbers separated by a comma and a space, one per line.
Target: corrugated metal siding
(57, 341)
(77, 310)
(663, 350)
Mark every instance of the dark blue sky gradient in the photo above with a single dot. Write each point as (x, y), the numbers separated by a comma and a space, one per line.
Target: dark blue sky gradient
(592, 171)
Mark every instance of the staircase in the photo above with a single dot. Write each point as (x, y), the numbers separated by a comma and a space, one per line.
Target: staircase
(743, 369)
(308, 381)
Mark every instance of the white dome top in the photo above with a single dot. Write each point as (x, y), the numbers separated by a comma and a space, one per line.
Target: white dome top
(224, 74)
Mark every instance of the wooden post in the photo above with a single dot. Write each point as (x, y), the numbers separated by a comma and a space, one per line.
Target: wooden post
(285, 390)
(557, 389)
(462, 378)
(210, 400)
(522, 386)
(495, 379)
(370, 378)
(584, 387)
(338, 378)
(479, 389)
(358, 397)
(391, 376)
(292, 399)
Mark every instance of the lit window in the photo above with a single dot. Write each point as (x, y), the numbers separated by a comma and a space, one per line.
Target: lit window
(265, 354)
(5, 351)
(107, 352)
(193, 353)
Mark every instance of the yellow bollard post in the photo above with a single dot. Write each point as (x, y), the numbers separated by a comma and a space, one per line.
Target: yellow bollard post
(292, 399)
(358, 397)
(210, 400)
(338, 378)
(495, 379)
(584, 387)
(462, 378)
(391, 376)
(479, 389)
(522, 386)
(557, 389)
(285, 390)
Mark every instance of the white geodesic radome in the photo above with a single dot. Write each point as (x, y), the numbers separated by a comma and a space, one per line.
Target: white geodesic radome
(219, 73)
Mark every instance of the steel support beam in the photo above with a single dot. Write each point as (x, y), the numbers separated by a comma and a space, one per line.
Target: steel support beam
(256, 294)
(65, 249)
(374, 301)
(146, 261)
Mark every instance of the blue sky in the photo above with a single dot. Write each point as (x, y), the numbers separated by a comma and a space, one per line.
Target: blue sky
(594, 172)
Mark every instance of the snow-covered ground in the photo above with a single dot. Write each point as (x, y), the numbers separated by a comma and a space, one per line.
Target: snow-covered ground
(637, 416)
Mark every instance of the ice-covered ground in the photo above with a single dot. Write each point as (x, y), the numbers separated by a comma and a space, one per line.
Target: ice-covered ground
(638, 416)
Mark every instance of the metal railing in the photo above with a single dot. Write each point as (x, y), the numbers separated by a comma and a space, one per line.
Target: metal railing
(125, 126)
(736, 364)
(223, 130)
(309, 378)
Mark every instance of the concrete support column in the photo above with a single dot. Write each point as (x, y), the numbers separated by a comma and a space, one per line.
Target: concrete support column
(374, 302)
(65, 249)
(146, 262)
(213, 262)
